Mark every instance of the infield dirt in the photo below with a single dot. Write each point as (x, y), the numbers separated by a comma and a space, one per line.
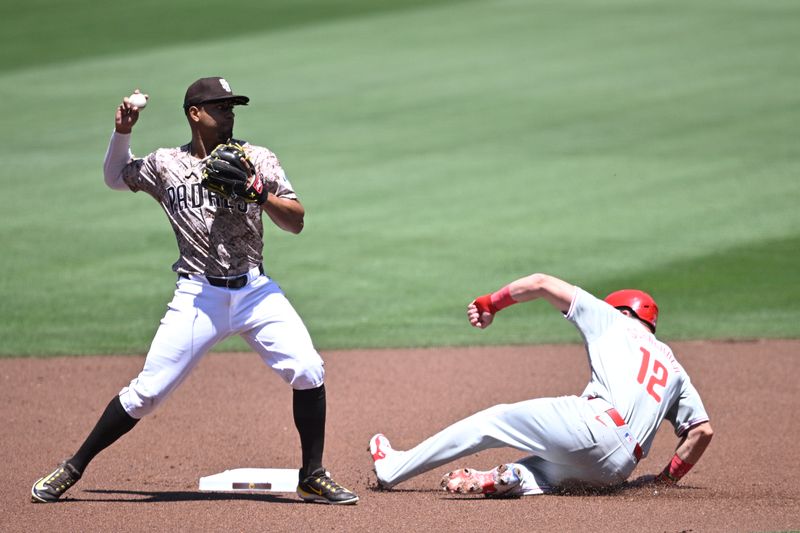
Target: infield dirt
(234, 412)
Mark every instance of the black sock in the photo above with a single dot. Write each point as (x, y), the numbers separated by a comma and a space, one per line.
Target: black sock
(309, 419)
(113, 423)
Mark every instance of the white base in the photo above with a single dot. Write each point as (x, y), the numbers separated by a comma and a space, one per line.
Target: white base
(251, 480)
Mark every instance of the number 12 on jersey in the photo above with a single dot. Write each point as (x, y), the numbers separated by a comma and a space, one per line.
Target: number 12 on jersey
(658, 374)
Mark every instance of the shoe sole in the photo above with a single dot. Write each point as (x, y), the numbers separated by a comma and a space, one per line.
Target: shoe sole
(469, 482)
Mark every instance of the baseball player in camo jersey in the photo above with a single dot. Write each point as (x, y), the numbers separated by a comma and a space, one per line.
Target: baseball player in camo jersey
(592, 440)
(221, 289)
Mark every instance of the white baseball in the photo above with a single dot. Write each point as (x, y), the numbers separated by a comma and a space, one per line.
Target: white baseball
(138, 100)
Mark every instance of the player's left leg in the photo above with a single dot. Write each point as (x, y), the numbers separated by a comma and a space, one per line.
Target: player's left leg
(538, 426)
(274, 329)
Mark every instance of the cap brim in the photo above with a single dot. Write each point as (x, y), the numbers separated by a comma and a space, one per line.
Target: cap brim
(236, 99)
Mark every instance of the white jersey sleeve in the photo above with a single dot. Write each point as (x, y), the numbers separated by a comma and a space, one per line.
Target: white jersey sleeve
(118, 155)
(591, 320)
(634, 371)
(688, 409)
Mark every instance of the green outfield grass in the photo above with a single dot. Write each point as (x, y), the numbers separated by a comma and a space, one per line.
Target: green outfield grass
(441, 149)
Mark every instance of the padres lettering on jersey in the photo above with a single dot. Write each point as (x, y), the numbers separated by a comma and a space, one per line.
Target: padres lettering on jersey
(215, 236)
(194, 196)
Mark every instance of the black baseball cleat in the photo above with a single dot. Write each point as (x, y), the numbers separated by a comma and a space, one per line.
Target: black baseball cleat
(50, 488)
(320, 488)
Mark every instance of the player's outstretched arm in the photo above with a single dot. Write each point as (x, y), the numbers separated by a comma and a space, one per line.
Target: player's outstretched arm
(119, 153)
(559, 293)
(288, 214)
(689, 451)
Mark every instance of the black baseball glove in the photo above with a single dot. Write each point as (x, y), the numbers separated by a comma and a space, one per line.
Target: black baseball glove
(229, 172)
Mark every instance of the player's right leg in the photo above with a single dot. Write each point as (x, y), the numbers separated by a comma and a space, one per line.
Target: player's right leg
(187, 332)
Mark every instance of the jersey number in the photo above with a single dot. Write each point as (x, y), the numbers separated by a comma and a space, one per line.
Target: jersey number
(657, 377)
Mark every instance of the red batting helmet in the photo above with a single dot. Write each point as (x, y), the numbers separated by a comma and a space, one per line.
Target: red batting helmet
(640, 303)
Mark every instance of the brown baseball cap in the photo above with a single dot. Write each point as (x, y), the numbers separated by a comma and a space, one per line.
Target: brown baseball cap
(214, 89)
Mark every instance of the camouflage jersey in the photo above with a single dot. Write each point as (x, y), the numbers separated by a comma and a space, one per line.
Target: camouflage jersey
(216, 236)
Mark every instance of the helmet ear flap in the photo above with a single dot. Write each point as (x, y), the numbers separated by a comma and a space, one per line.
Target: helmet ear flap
(639, 303)
(650, 325)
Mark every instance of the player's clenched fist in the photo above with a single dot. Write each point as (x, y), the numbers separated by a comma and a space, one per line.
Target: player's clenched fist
(128, 112)
(480, 311)
(483, 308)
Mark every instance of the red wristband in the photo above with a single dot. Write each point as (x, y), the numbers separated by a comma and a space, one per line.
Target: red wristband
(502, 298)
(676, 469)
(485, 305)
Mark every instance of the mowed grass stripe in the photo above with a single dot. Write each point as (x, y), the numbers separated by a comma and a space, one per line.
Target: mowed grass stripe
(47, 32)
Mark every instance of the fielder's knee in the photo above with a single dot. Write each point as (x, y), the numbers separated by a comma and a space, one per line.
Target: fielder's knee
(136, 403)
(307, 376)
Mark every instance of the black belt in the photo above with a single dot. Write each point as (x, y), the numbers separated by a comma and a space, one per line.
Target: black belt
(229, 283)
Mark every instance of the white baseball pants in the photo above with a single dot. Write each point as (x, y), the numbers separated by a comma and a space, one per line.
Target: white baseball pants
(570, 439)
(201, 315)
